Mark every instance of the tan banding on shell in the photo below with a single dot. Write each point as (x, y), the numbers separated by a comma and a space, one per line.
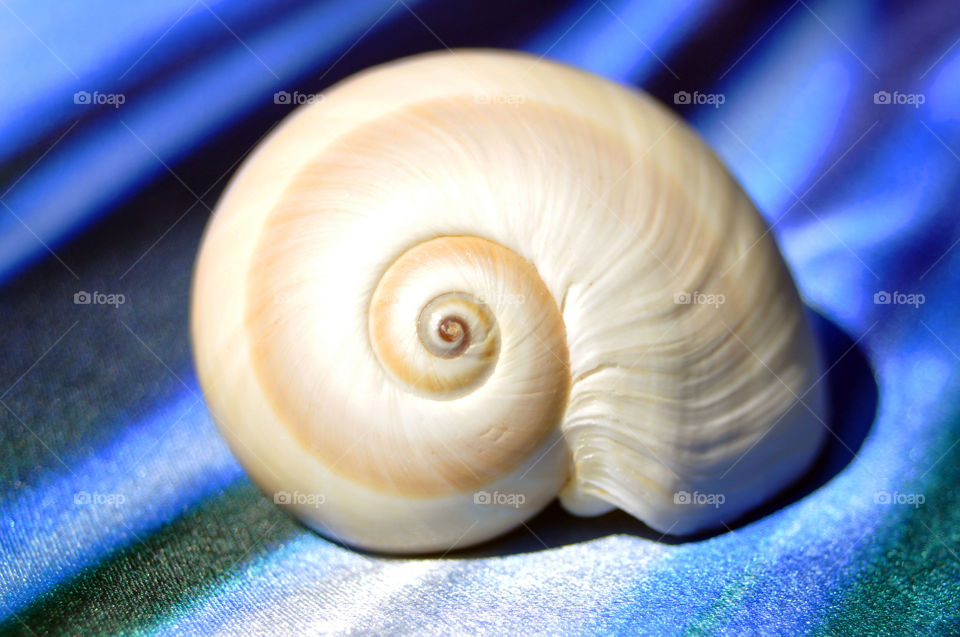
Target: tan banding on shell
(439, 311)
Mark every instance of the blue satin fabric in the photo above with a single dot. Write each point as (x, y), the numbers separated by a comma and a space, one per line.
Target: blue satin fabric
(123, 510)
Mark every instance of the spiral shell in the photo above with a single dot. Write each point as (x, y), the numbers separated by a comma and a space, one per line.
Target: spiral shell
(464, 284)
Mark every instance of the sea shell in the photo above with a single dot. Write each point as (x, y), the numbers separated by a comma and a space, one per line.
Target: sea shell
(463, 284)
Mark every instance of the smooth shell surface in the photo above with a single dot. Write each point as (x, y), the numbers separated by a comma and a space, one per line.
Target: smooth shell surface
(464, 284)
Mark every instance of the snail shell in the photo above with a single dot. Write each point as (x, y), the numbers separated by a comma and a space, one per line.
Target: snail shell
(464, 284)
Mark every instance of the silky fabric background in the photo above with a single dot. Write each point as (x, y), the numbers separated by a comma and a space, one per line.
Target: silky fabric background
(122, 509)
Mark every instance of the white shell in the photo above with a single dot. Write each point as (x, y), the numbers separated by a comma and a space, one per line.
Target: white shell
(620, 327)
